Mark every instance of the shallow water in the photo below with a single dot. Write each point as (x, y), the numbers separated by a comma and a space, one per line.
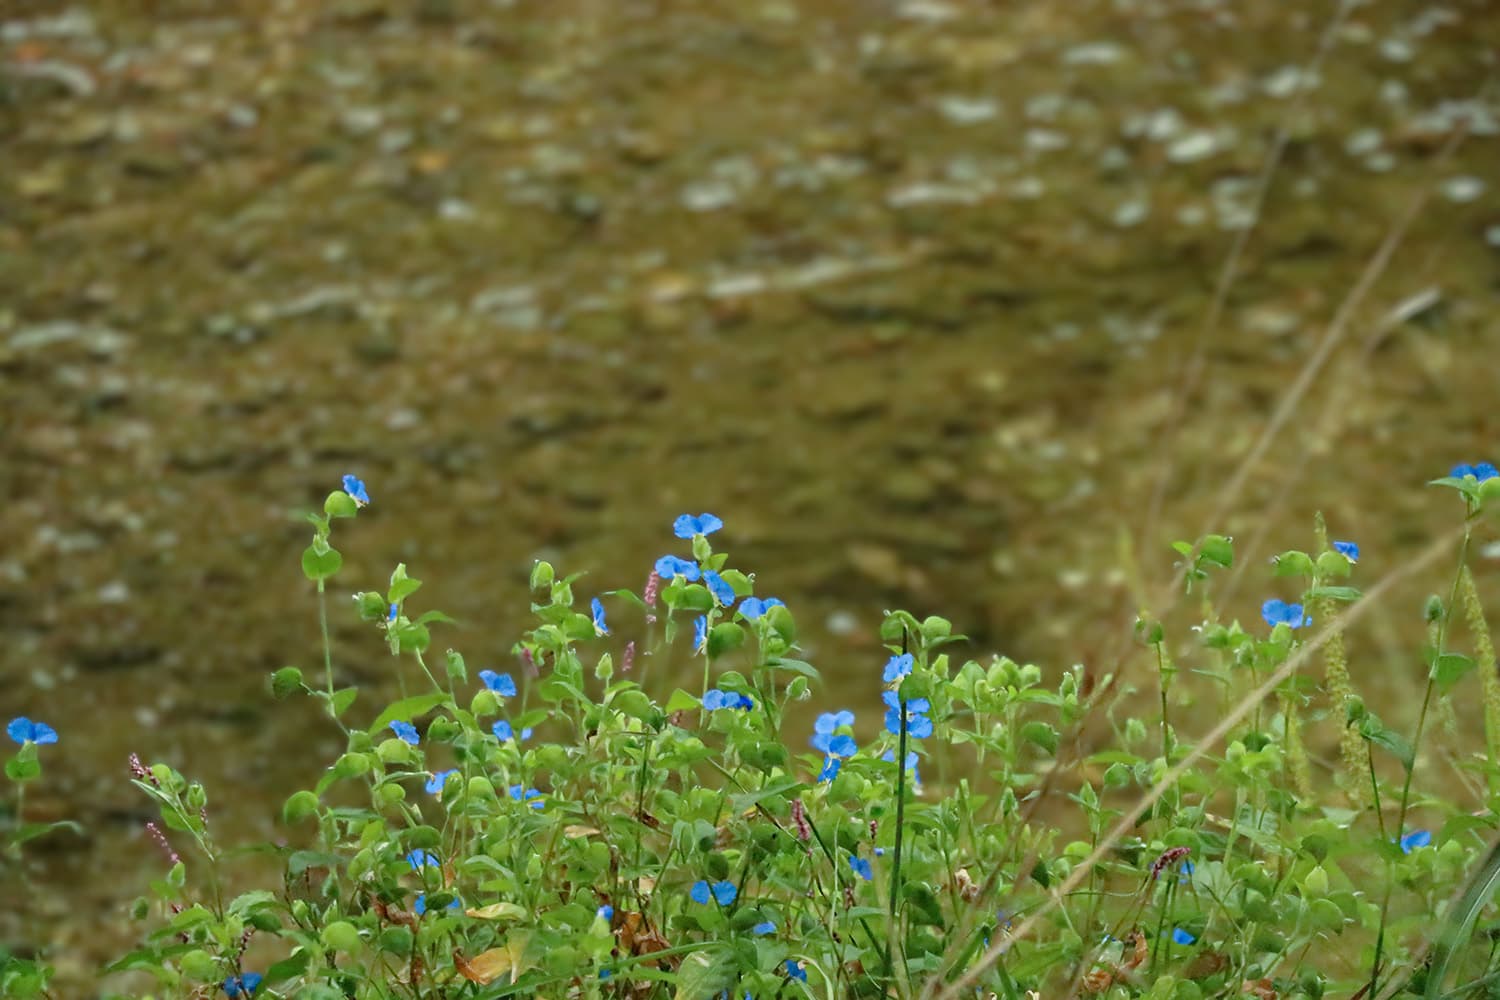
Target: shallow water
(899, 290)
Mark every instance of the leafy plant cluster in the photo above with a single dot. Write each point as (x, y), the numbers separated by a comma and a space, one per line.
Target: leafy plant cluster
(570, 828)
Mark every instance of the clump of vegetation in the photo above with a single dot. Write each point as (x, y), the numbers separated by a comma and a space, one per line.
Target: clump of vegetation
(571, 829)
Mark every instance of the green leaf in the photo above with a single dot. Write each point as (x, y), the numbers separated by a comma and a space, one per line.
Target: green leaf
(402, 589)
(1217, 550)
(285, 681)
(22, 768)
(320, 561)
(703, 975)
(724, 637)
(776, 789)
(681, 701)
(1449, 668)
(796, 667)
(299, 806)
(1378, 733)
(1293, 563)
(542, 575)
(340, 504)
(1041, 734)
(435, 616)
(407, 709)
(694, 597)
(342, 699)
(31, 831)
(287, 968)
(1334, 593)
(1458, 924)
(1333, 565)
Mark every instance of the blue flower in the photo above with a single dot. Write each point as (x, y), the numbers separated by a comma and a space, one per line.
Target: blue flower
(897, 667)
(719, 587)
(23, 730)
(918, 725)
(395, 610)
(420, 906)
(714, 699)
(831, 767)
(911, 763)
(527, 795)
(753, 607)
(828, 722)
(764, 927)
(247, 983)
(1479, 470)
(438, 780)
(1414, 840)
(405, 731)
(795, 970)
(355, 487)
(502, 684)
(700, 633)
(605, 912)
(418, 858)
(1348, 550)
(1181, 936)
(503, 731)
(861, 867)
(598, 608)
(840, 745)
(686, 525)
(722, 892)
(1277, 612)
(668, 567)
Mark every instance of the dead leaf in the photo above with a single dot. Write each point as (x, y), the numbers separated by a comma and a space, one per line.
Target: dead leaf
(498, 911)
(1260, 988)
(1098, 981)
(579, 830)
(1206, 964)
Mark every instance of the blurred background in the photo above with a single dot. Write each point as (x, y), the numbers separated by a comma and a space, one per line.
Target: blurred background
(904, 291)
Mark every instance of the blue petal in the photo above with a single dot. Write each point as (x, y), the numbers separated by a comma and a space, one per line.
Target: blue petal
(1461, 470)
(919, 727)
(861, 867)
(764, 927)
(502, 730)
(1348, 550)
(820, 741)
(686, 525)
(1181, 936)
(891, 699)
(897, 667)
(419, 858)
(438, 780)
(700, 634)
(841, 746)
(725, 892)
(830, 770)
(43, 733)
(714, 699)
(1414, 840)
(605, 912)
(719, 587)
(502, 684)
(795, 970)
(668, 567)
(1484, 470)
(699, 892)
(405, 731)
(600, 628)
(355, 487)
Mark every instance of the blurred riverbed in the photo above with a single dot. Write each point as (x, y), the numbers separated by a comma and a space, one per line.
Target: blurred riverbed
(900, 290)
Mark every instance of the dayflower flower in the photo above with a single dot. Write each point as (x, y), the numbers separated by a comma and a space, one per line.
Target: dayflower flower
(897, 667)
(1479, 470)
(795, 970)
(714, 699)
(700, 634)
(686, 525)
(355, 487)
(831, 766)
(1181, 936)
(722, 892)
(419, 907)
(829, 722)
(605, 912)
(502, 684)
(918, 725)
(764, 927)
(753, 607)
(246, 983)
(911, 763)
(1414, 840)
(527, 795)
(837, 745)
(1276, 612)
(438, 780)
(668, 567)
(405, 731)
(24, 730)
(600, 628)
(861, 867)
(419, 858)
(1348, 550)
(719, 587)
(395, 610)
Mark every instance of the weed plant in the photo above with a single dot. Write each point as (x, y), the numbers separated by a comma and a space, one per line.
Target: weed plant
(569, 828)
